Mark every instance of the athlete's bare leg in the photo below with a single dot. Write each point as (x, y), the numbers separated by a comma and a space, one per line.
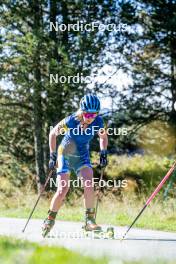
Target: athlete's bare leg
(62, 189)
(87, 177)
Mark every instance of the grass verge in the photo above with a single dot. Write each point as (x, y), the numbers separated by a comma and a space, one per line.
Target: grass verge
(23, 252)
(159, 215)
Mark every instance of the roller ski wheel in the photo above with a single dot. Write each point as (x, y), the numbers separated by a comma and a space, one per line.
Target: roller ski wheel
(110, 232)
(47, 226)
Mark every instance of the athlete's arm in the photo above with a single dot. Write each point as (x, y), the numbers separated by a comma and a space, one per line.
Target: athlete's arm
(52, 141)
(103, 148)
(57, 130)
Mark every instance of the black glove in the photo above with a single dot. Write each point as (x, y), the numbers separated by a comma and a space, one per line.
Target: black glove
(52, 161)
(103, 158)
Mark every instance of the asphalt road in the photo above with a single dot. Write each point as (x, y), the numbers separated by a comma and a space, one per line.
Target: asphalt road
(139, 244)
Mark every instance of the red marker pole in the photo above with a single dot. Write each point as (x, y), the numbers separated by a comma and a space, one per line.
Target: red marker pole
(152, 196)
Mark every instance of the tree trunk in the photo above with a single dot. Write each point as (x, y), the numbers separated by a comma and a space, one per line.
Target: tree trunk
(37, 103)
(173, 74)
(173, 84)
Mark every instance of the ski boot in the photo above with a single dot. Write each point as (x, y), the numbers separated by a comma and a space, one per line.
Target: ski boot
(90, 225)
(48, 223)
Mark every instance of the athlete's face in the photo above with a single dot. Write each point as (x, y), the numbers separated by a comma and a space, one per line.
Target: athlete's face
(89, 117)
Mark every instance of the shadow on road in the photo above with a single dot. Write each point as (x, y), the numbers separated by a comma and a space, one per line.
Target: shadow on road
(152, 239)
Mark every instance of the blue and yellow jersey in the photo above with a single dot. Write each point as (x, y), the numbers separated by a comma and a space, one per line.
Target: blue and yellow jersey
(73, 152)
(76, 136)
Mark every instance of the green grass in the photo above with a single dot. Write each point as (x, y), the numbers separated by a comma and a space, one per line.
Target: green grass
(23, 252)
(15, 251)
(159, 215)
(18, 201)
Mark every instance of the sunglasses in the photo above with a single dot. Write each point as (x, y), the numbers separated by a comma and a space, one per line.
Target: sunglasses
(89, 115)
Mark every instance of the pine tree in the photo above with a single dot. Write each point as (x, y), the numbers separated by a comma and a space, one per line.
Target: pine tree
(151, 60)
(30, 52)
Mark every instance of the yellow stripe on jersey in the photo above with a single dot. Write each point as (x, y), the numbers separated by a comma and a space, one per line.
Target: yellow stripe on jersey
(62, 125)
(60, 150)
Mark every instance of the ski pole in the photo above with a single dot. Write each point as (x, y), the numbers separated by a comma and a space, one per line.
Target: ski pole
(49, 176)
(169, 173)
(101, 177)
(169, 186)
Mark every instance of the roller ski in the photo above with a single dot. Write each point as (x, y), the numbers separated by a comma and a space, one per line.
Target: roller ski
(48, 223)
(92, 230)
(99, 234)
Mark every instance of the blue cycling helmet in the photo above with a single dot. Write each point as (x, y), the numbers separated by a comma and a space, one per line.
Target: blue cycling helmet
(90, 103)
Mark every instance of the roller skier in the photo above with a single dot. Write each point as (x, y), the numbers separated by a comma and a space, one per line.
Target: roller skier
(73, 153)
